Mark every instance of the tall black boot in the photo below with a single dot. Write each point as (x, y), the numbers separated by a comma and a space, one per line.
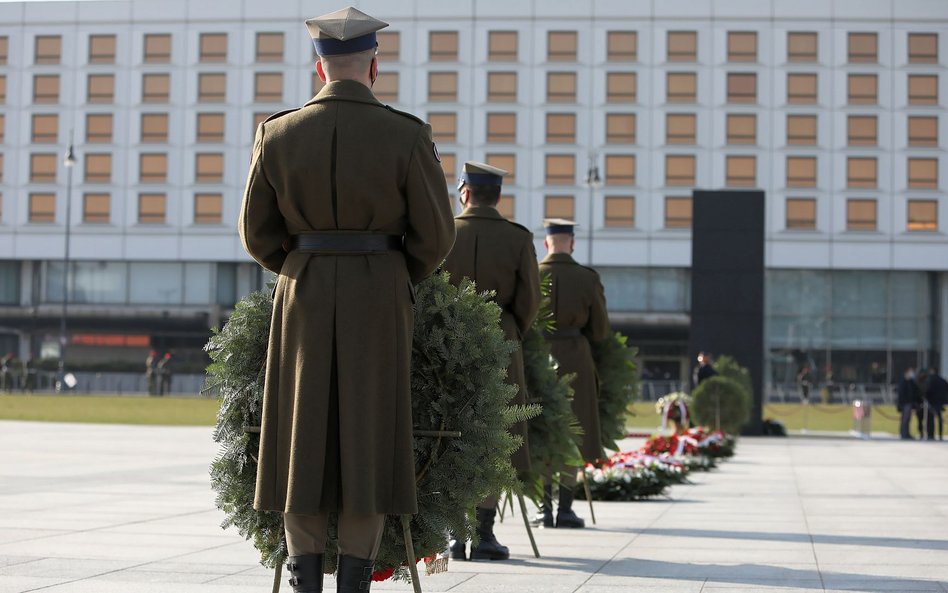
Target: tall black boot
(458, 548)
(488, 548)
(565, 517)
(354, 575)
(306, 573)
(545, 517)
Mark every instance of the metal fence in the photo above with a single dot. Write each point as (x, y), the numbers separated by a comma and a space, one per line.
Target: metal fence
(119, 383)
(828, 393)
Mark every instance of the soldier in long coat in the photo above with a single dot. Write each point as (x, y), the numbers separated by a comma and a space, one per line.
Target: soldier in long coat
(498, 255)
(346, 202)
(579, 309)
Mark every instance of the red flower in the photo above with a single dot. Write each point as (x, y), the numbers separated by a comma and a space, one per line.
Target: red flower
(383, 575)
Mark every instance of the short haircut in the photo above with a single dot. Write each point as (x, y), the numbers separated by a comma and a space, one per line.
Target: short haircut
(344, 65)
(484, 195)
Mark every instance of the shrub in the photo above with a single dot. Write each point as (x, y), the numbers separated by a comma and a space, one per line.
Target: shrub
(721, 402)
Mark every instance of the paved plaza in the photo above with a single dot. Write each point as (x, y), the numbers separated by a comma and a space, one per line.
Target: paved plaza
(128, 509)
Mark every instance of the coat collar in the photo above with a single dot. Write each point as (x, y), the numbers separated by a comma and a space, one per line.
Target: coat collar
(345, 90)
(481, 212)
(559, 258)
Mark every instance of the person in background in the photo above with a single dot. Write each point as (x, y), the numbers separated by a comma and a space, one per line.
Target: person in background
(936, 393)
(29, 375)
(151, 372)
(909, 398)
(805, 382)
(6, 372)
(164, 371)
(704, 370)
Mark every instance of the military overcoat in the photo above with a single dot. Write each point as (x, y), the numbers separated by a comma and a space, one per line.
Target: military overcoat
(337, 424)
(499, 255)
(579, 303)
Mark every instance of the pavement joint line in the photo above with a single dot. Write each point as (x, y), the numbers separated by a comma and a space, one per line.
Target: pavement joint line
(224, 576)
(91, 529)
(459, 583)
(806, 521)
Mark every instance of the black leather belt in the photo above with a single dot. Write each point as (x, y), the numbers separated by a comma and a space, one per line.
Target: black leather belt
(345, 242)
(565, 332)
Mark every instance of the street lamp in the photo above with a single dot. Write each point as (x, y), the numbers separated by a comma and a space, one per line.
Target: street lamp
(69, 162)
(592, 182)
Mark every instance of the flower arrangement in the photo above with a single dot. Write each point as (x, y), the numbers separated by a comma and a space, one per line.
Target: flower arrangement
(675, 409)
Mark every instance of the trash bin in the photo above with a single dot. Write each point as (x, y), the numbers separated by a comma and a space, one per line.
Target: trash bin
(862, 418)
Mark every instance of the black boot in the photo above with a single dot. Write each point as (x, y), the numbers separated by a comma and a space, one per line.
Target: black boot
(354, 575)
(565, 517)
(306, 573)
(488, 548)
(458, 548)
(545, 517)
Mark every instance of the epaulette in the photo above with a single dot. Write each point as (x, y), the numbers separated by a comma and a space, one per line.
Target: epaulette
(406, 114)
(280, 114)
(520, 226)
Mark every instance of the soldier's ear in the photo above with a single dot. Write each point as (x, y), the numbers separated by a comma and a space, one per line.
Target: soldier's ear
(320, 71)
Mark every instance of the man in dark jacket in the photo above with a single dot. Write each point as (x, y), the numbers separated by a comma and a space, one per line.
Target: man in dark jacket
(704, 369)
(909, 398)
(936, 393)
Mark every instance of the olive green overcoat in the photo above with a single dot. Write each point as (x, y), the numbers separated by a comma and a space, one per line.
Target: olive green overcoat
(337, 424)
(499, 255)
(579, 303)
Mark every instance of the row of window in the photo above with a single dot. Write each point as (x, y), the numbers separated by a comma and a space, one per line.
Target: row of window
(502, 46)
(561, 87)
(152, 167)
(97, 208)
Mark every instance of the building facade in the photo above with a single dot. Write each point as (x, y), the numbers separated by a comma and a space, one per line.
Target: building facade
(609, 112)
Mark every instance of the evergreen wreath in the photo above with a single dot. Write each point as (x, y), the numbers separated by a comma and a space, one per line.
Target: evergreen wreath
(459, 361)
(618, 386)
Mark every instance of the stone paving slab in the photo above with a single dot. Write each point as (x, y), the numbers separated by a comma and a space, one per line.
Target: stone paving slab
(128, 509)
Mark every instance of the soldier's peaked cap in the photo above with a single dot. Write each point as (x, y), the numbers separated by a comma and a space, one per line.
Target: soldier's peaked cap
(557, 226)
(345, 31)
(475, 173)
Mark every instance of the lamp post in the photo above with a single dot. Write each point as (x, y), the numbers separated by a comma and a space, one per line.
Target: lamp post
(69, 162)
(592, 182)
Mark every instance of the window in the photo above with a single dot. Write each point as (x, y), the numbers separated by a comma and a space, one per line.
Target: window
(45, 128)
(863, 48)
(209, 167)
(502, 46)
(1, 176)
(48, 49)
(507, 206)
(507, 162)
(444, 127)
(677, 213)
(46, 88)
(860, 215)
(560, 128)
(801, 214)
(861, 172)
(102, 49)
(801, 47)
(208, 208)
(42, 208)
(621, 46)
(95, 208)
(156, 88)
(801, 171)
(258, 118)
(151, 208)
(741, 88)
(212, 87)
(559, 207)
(620, 128)
(561, 46)
(43, 168)
(153, 168)
(385, 89)
(923, 49)
(502, 87)
(268, 87)
(442, 87)
(923, 173)
(620, 87)
(389, 46)
(157, 48)
(269, 47)
(154, 127)
(679, 169)
(801, 130)
(213, 47)
(501, 127)
(3, 89)
(801, 88)
(3, 127)
(923, 89)
(561, 87)
(863, 89)
(922, 131)
(620, 169)
(683, 47)
(681, 87)
(210, 127)
(443, 46)
(560, 169)
(861, 130)
(741, 128)
(741, 171)
(4, 49)
(449, 167)
(680, 128)
(99, 128)
(620, 211)
(922, 215)
(98, 168)
(101, 88)
(741, 46)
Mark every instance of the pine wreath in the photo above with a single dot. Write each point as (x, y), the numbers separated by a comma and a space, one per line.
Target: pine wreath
(618, 386)
(459, 361)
